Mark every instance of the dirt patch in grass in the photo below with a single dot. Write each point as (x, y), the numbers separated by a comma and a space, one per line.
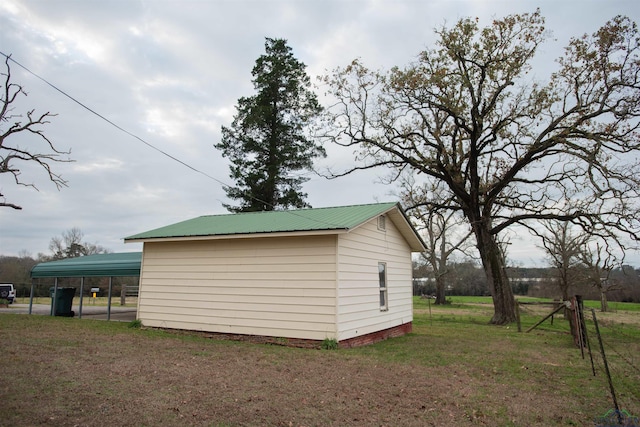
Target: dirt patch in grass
(66, 372)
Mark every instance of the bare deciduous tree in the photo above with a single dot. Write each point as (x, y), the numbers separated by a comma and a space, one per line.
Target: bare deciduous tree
(564, 248)
(70, 245)
(508, 149)
(12, 124)
(443, 232)
(599, 262)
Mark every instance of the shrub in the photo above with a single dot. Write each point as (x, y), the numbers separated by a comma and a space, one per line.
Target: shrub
(136, 324)
(329, 344)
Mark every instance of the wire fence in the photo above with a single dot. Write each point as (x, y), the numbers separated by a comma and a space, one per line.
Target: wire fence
(614, 350)
(612, 346)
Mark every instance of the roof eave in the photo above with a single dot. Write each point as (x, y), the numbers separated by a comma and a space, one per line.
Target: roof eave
(238, 236)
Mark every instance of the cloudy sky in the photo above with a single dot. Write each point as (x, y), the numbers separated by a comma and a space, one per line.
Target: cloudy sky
(170, 72)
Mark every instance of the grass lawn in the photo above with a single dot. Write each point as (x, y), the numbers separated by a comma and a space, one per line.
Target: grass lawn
(454, 369)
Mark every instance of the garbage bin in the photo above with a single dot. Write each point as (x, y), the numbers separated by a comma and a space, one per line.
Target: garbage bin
(61, 306)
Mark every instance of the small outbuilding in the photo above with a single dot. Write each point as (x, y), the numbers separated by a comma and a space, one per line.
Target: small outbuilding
(340, 273)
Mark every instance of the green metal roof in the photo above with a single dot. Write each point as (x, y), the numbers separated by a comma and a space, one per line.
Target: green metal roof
(319, 219)
(100, 265)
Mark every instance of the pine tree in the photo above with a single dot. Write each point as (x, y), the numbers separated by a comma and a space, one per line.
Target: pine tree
(266, 143)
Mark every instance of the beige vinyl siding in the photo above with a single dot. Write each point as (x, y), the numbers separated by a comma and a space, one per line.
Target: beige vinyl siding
(283, 287)
(360, 251)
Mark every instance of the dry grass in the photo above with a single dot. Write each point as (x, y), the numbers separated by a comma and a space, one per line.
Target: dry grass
(453, 370)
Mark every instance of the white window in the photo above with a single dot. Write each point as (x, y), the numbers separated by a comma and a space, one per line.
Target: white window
(382, 277)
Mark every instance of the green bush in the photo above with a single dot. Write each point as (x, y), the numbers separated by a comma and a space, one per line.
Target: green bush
(136, 324)
(329, 344)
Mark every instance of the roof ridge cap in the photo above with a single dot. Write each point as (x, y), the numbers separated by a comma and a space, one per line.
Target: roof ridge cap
(297, 210)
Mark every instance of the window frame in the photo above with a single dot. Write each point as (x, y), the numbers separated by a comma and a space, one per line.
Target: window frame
(383, 286)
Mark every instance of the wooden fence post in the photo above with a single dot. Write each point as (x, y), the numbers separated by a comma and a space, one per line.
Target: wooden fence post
(578, 328)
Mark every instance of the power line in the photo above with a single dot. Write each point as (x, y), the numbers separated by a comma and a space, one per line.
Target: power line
(148, 144)
(120, 128)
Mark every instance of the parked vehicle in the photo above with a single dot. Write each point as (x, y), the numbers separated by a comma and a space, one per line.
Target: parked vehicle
(7, 292)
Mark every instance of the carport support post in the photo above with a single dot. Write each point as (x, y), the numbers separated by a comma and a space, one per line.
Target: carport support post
(81, 295)
(109, 302)
(33, 281)
(53, 300)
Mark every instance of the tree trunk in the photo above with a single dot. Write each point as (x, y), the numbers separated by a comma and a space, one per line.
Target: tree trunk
(604, 304)
(494, 267)
(564, 287)
(440, 290)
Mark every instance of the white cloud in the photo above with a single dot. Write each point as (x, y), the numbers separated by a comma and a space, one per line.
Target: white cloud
(171, 73)
(98, 166)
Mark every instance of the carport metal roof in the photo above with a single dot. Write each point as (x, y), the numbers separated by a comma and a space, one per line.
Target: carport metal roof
(100, 265)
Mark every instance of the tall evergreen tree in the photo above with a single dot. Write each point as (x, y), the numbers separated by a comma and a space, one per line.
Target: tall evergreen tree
(266, 143)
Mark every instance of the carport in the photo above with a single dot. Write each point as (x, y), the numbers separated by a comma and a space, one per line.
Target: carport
(125, 264)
